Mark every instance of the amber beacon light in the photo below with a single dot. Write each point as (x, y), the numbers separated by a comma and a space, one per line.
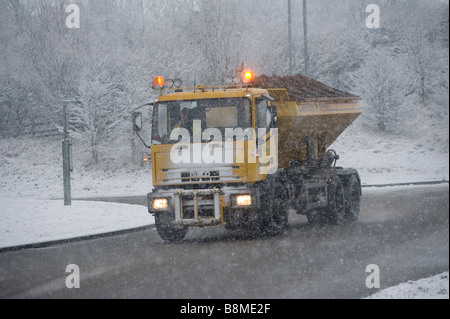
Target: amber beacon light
(158, 82)
(248, 77)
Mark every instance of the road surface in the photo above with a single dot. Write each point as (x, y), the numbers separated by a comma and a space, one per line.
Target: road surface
(405, 232)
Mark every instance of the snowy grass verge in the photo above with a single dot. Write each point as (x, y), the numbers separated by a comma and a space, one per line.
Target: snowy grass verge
(31, 221)
(435, 287)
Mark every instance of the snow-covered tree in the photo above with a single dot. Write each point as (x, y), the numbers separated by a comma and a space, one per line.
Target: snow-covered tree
(215, 29)
(382, 91)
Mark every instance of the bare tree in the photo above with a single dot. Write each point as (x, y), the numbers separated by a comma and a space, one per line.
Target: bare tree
(216, 33)
(425, 62)
(381, 91)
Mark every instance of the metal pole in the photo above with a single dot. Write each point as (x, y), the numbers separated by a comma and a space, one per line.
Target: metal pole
(290, 36)
(66, 159)
(305, 37)
(66, 121)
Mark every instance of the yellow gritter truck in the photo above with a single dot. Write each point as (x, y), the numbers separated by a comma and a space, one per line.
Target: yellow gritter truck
(242, 155)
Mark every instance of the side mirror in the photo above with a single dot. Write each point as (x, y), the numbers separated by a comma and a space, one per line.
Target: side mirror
(137, 122)
(273, 111)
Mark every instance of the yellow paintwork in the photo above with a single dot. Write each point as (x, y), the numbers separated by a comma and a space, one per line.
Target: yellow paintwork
(247, 173)
(218, 93)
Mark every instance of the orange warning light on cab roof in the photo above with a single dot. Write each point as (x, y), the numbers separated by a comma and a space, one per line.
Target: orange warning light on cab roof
(248, 77)
(158, 82)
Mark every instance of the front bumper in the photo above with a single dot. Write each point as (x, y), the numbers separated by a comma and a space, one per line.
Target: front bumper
(201, 207)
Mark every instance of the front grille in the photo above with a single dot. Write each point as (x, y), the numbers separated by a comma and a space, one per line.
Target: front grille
(204, 201)
(188, 177)
(198, 175)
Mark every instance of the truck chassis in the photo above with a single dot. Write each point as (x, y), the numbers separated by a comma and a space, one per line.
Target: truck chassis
(326, 196)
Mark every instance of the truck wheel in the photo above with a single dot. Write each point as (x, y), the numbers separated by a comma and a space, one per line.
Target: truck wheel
(167, 230)
(317, 217)
(352, 199)
(336, 202)
(274, 214)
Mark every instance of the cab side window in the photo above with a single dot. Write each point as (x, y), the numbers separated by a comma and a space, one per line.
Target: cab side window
(263, 114)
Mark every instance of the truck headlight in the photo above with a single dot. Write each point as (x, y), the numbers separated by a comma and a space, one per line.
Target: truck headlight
(160, 204)
(244, 200)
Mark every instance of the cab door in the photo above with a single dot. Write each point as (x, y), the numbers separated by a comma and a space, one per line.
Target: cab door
(267, 133)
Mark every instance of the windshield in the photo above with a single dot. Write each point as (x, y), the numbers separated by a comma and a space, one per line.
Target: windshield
(212, 113)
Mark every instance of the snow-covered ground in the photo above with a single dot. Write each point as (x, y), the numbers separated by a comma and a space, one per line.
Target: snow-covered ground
(419, 154)
(435, 287)
(34, 221)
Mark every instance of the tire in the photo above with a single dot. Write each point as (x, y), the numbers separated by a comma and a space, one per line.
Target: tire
(167, 230)
(273, 214)
(317, 217)
(352, 199)
(336, 202)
